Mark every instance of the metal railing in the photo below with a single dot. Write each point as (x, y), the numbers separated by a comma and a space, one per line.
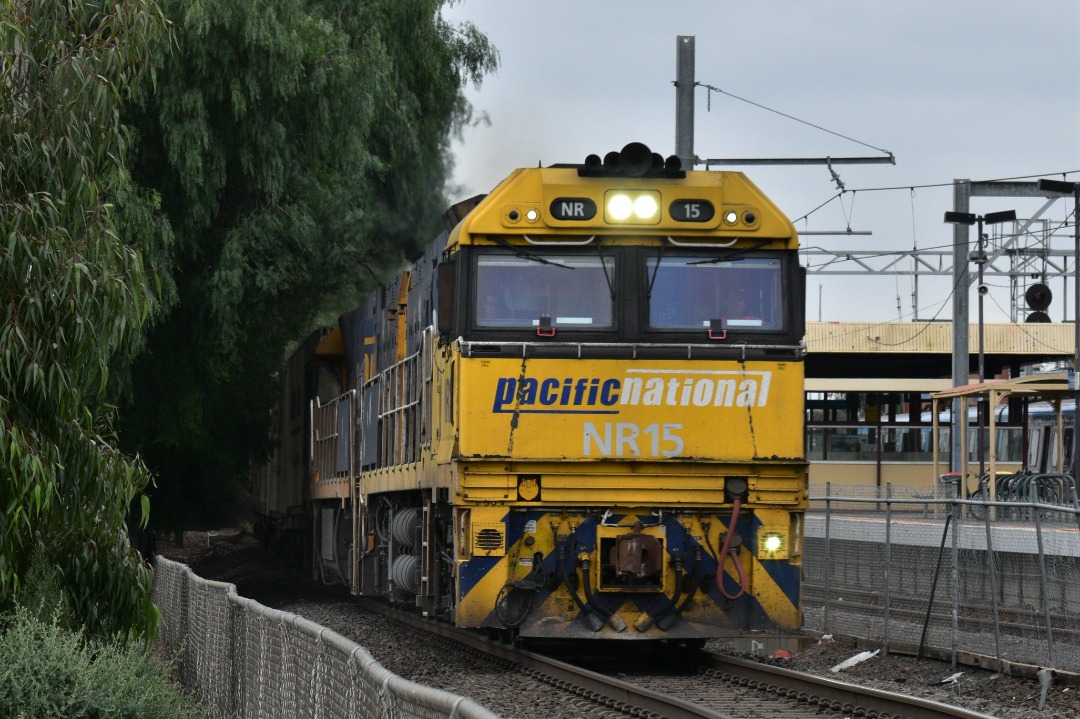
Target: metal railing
(331, 432)
(402, 393)
(947, 575)
(242, 659)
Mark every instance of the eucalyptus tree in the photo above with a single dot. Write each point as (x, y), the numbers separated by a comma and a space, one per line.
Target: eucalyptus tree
(300, 148)
(72, 293)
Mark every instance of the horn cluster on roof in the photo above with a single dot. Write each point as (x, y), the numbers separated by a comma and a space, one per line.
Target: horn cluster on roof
(634, 160)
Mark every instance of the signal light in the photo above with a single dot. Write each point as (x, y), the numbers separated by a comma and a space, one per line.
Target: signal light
(1038, 298)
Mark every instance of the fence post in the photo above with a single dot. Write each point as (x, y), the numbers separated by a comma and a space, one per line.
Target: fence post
(187, 640)
(828, 558)
(992, 576)
(933, 588)
(954, 515)
(1076, 503)
(888, 562)
(1042, 574)
(236, 657)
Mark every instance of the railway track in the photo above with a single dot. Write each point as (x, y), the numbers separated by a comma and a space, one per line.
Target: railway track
(702, 685)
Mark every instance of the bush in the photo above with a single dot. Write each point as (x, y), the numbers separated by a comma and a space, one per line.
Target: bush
(50, 669)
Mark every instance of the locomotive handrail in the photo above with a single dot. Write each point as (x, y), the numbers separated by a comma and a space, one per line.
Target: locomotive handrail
(324, 436)
(397, 365)
(467, 346)
(399, 408)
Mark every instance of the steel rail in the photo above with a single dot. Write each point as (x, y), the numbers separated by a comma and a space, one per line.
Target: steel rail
(812, 690)
(619, 692)
(838, 694)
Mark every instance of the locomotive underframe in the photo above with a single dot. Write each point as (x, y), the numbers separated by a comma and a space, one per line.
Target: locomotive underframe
(574, 562)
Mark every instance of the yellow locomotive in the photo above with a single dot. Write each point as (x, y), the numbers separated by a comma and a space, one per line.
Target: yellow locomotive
(578, 415)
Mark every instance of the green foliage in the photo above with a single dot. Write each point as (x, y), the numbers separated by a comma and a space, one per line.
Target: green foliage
(299, 149)
(49, 668)
(71, 294)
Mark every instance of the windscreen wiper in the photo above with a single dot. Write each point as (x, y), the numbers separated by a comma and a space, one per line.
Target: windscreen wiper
(652, 280)
(725, 258)
(527, 255)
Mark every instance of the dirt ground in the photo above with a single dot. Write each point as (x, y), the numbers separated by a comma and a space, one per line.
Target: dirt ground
(1008, 697)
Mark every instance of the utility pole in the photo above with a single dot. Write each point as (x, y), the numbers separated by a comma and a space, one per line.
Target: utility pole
(1059, 187)
(684, 100)
(961, 342)
(963, 191)
(685, 85)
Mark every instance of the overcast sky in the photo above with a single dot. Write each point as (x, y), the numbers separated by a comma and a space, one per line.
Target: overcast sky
(981, 90)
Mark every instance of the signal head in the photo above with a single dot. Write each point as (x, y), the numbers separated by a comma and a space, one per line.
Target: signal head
(1038, 297)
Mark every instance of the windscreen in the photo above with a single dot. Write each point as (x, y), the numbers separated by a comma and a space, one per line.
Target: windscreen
(515, 291)
(696, 292)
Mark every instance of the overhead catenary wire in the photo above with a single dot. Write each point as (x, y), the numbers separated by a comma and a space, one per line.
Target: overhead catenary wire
(914, 266)
(886, 253)
(840, 185)
(712, 88)
(848, 211)
(929, 185)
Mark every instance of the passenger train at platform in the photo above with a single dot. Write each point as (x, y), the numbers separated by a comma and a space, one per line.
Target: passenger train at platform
(579, 414)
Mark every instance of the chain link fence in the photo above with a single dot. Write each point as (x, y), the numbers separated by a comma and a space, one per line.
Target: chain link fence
(245, 660)
(995, 581)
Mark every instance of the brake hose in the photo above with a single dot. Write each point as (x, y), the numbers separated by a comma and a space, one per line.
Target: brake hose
(565, 577)
(721, 560)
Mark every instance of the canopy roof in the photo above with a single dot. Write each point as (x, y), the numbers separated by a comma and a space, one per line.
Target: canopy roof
(1052, 387)
(1047, 386)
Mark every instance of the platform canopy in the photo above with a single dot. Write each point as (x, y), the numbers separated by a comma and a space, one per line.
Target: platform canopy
(1051, 387)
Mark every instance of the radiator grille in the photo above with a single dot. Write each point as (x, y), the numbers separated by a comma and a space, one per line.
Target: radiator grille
(489, 539)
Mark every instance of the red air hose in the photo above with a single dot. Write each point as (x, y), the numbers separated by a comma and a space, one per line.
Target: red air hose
(721, 560)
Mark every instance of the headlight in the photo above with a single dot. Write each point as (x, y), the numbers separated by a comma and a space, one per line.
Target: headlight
(634, 207)
(645, 207)
(619, 207)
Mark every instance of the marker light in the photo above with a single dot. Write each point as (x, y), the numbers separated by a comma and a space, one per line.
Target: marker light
(772, 544)
(641, 207)
(731, 217)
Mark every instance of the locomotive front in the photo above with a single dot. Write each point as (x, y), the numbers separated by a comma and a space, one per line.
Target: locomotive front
(617, 405)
